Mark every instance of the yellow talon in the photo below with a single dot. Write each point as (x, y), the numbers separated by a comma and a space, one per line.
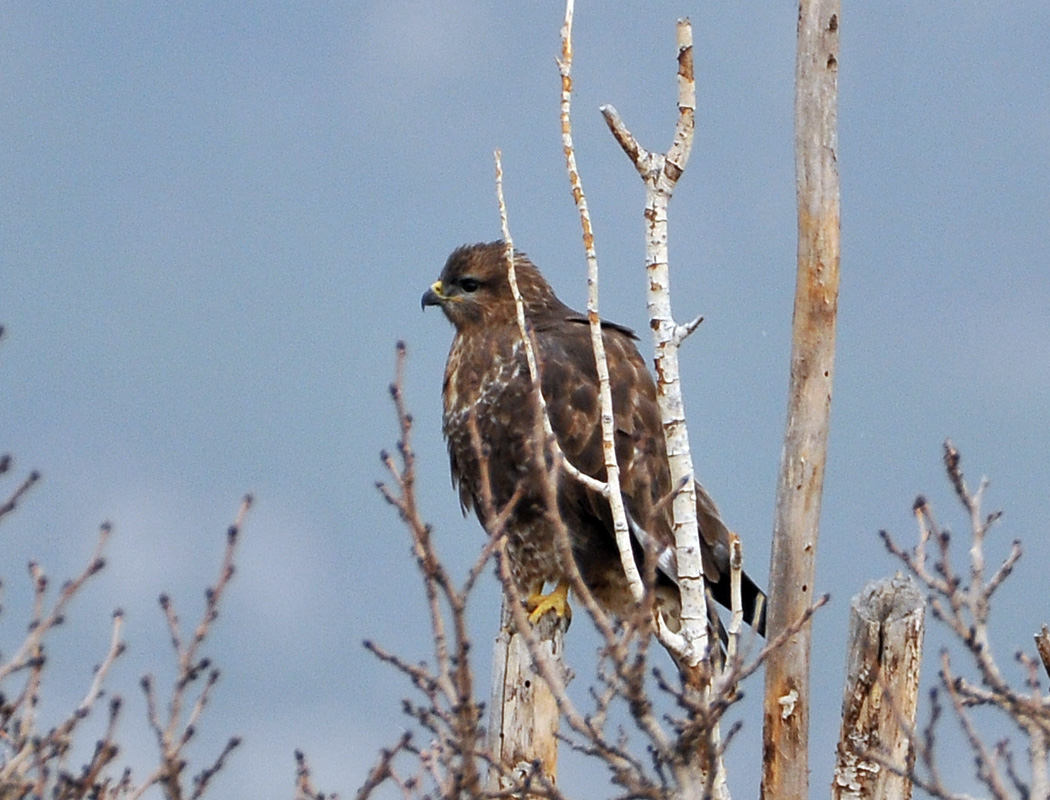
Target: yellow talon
(557, 601)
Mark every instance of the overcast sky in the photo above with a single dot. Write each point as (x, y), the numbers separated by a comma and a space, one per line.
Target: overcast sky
(217, 219)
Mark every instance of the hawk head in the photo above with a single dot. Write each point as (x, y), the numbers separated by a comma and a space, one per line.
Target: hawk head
(474, 291)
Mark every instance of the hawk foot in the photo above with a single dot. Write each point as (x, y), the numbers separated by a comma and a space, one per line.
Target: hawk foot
(557, 600)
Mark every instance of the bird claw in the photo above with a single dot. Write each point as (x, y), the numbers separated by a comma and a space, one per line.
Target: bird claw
(557, 601)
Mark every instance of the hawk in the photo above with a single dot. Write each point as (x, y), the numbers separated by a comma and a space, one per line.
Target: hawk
(487, 384)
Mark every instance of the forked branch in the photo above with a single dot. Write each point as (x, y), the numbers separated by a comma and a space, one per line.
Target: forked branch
(660, 172)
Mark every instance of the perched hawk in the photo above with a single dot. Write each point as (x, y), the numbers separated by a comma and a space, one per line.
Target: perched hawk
(487, 379)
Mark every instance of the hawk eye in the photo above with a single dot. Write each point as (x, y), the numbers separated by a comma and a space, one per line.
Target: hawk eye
(469, 284)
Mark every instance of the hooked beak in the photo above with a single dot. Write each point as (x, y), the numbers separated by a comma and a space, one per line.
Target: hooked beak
(432, 296)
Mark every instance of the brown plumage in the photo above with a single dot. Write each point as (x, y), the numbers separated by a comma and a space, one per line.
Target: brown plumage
(487, 378)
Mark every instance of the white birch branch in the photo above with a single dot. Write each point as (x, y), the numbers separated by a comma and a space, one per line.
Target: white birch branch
(612, 468)
(660, 173)
(529, 345)
(700, 773)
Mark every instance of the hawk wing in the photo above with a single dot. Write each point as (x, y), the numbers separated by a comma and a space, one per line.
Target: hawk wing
(570, 387)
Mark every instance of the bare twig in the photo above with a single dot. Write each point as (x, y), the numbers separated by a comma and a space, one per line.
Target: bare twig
(116, 649)
(34, 762)
(11, 503)
(43, 622)
(612, 469)
(379, 773)
(452, 714)
(987, 768)
(31, 758)
(174, 732)
(963, 605)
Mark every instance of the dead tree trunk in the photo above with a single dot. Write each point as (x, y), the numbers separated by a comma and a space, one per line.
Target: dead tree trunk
(884, 657)
(523, 725)
(793, 560)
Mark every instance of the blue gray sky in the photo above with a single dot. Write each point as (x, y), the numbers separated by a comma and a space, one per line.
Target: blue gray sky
(217, 219)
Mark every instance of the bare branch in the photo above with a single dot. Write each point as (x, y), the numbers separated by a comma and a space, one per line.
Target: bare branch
(11, 503)
(660, 173)
(174, 732)
(612, 469)
(41, 622)
(964, 606)
(987, 769)
(379, 773)
(451, 714)
(34, 762)
(683, 332)
(116, 649)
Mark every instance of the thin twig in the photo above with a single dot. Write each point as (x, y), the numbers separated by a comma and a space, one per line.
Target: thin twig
(612, 468)
(11, 503)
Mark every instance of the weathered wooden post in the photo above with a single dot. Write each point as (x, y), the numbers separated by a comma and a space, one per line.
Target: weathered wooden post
(883, 661)
(523, 720)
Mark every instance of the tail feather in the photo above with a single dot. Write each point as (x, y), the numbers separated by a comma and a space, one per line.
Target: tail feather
(753, 599)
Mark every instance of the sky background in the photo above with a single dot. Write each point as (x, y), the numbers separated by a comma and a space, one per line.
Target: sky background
(216, 220)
